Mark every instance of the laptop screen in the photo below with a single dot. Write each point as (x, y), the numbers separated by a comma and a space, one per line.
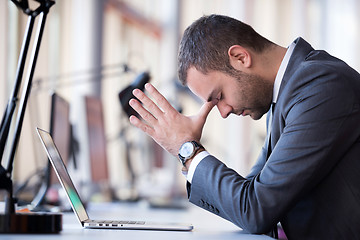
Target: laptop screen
(63, 174)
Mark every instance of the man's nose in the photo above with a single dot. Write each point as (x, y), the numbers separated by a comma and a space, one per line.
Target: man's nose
(224, 109)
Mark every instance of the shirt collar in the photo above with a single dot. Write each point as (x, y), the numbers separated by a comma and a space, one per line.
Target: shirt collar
(281, 71)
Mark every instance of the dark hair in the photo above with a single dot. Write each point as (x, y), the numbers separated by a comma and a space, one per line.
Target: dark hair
(205, 44)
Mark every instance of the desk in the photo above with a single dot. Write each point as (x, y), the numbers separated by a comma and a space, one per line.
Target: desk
(207, 226)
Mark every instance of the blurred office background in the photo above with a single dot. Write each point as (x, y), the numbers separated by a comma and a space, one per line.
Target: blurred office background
(95, 49)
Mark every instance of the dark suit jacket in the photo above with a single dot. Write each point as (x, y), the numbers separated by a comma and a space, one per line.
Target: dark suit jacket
(311, 180)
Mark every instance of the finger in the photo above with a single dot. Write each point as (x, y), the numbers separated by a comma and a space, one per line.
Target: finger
(162, 102)
(144, 114)
(148, 103)
(206, 109)
(141, 125)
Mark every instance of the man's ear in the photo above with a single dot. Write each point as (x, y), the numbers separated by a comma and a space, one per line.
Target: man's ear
(239, 57)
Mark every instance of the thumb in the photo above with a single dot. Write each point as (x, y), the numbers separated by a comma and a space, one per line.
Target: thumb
(200, 119)
(205, 110)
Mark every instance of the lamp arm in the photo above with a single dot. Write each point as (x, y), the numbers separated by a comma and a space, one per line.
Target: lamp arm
(5, 174)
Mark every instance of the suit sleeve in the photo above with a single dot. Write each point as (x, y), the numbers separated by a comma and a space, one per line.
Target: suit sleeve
(319, 128)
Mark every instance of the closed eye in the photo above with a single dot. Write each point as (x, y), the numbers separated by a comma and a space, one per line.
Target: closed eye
(212, 96)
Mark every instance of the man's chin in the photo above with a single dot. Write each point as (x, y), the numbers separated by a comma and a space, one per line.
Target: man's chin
(255, 116)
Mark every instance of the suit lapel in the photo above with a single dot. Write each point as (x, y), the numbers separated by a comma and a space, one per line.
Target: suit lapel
(301, 51)
(270, 124)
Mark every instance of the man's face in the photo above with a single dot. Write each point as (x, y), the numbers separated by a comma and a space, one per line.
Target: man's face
(242, 94)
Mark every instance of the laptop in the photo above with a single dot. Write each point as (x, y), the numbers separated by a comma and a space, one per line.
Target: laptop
(77, 205)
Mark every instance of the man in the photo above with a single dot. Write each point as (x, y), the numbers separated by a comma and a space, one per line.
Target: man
(306, 176)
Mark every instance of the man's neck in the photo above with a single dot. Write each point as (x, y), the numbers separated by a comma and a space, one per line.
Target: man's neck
(270, 61)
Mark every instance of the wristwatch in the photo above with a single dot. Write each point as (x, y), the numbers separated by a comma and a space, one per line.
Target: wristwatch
(188, 150)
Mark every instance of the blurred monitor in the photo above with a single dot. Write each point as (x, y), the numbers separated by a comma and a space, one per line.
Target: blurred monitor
(60, 128)
(97, 140)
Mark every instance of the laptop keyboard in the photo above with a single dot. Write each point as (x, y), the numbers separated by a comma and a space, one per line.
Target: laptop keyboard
(110, 223)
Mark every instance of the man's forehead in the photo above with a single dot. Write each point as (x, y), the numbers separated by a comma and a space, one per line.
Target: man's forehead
(201, 84)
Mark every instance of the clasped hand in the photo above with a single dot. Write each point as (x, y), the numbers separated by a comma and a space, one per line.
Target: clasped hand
(165, 124)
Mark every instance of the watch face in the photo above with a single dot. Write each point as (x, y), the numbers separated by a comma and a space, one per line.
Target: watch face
(187, 149)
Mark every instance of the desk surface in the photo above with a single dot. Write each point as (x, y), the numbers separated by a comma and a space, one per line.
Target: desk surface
(206, 225)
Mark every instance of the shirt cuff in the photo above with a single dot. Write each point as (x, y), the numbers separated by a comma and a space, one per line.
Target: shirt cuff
(194, 163)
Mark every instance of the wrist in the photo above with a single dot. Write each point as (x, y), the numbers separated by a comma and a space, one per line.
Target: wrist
(187, 165)
(189, 161)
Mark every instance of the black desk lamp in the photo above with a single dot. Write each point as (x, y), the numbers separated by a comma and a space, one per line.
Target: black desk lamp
(126, 94)
(10, 221)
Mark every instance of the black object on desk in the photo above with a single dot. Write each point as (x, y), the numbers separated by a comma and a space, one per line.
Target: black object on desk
(10, 221)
